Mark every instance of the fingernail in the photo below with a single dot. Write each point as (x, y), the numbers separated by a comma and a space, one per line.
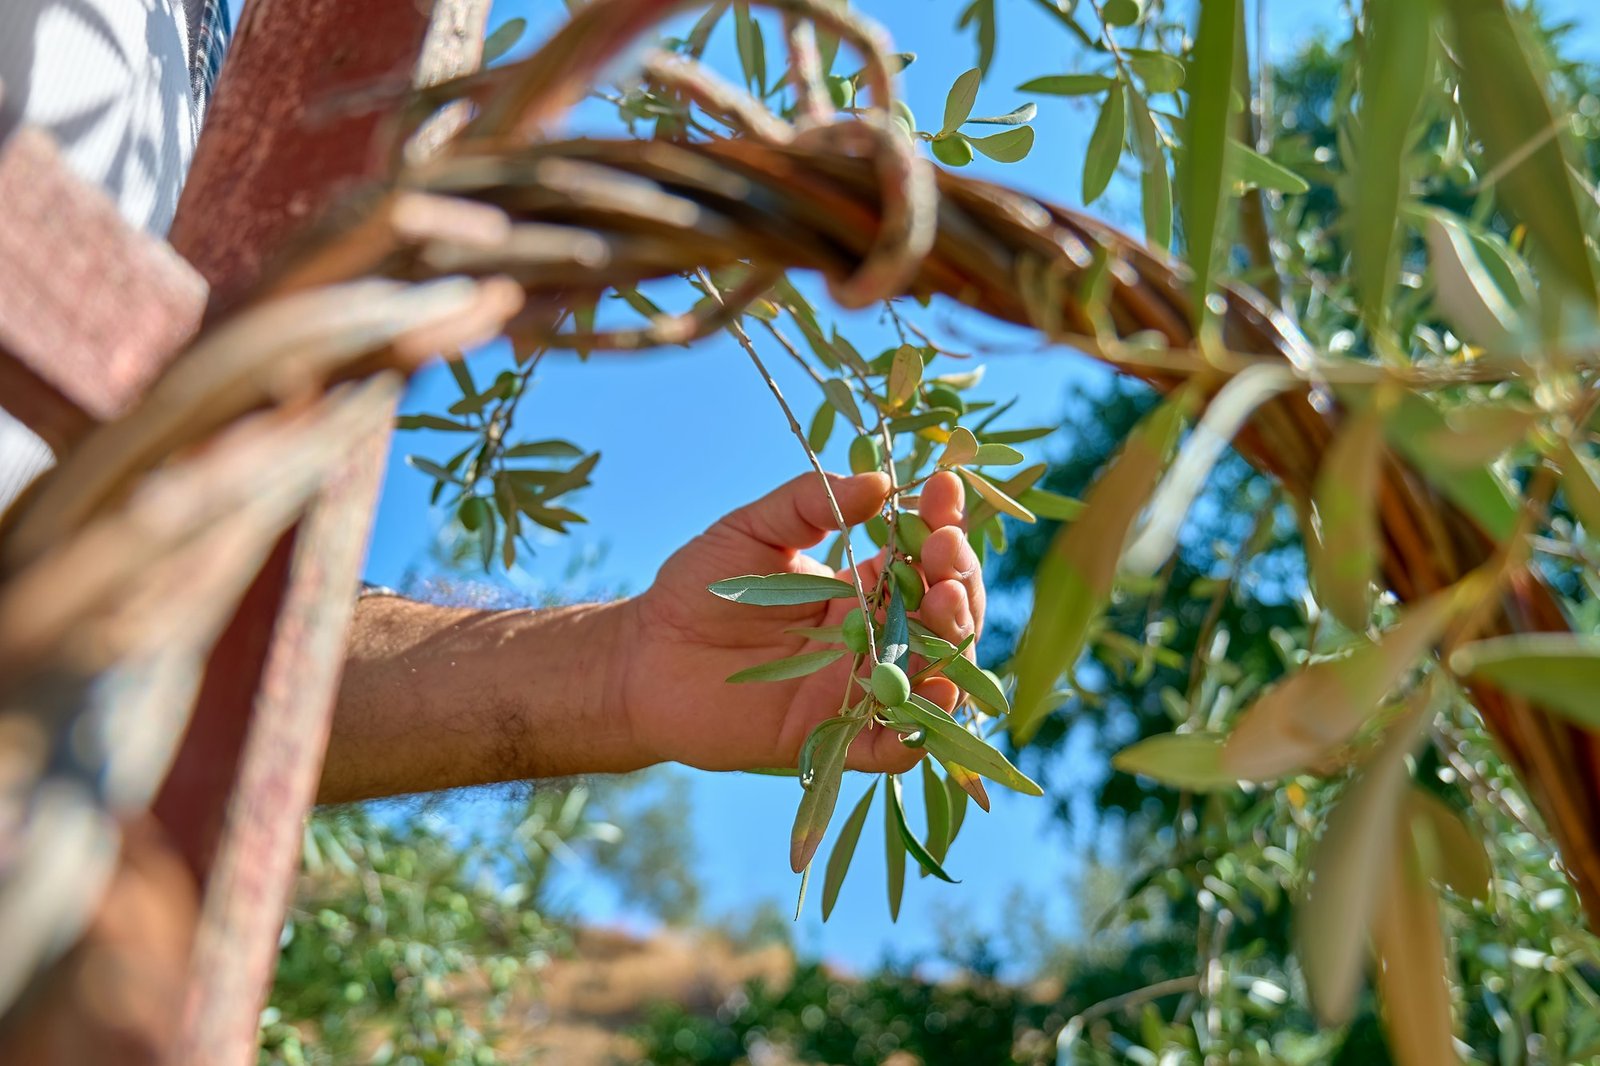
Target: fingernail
(966, 560)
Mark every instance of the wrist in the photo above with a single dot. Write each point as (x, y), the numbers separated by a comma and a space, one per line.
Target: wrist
(579, 714)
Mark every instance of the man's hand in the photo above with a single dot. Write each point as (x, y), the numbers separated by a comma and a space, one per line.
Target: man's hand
(680, 642)
(442, 697)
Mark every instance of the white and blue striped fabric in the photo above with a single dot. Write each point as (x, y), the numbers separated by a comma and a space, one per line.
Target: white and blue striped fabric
(122, 85)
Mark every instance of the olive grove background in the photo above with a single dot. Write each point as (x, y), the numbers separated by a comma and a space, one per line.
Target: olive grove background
(450, 930)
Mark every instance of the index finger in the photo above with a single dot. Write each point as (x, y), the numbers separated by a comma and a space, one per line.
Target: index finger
(943, 501)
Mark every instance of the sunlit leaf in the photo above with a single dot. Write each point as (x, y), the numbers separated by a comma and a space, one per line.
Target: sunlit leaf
(1075, 577)
(958, 102)
(1161, 73)
(1210, 84)
(1190, 761)
(1052, 505)
(821, 427)
(905, 374)
(936, 808)
(1466, 291)
(968, 782)
(1451, 852)
(1396, 66)
(917, 849)
(820, 797)
(1017, 117)
(1348, 871)
(1251, 169)
(1503, 94)
(843, 401)
(1317, 710)
(1558, 671)
(1477, 434)
(894, 849)
(1224, 417)
(1344, 559)
(960, 449)
(995, 496)
(1477, 490)
(1105, 145)
(1068, 84)
(1155, 184)
(949, 741)
(995, 455)
(1012, 146)
(789, 667)
(1413, 972)
(844, 850)
(1580, 484)
(782, 589)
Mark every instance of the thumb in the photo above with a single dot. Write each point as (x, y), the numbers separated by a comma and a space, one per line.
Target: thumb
(797, 514)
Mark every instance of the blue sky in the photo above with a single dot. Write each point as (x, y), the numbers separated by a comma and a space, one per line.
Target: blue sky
(688, 435)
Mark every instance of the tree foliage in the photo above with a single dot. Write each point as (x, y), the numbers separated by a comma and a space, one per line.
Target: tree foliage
(1334, 862)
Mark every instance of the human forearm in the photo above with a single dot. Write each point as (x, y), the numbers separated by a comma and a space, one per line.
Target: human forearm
(441, 697)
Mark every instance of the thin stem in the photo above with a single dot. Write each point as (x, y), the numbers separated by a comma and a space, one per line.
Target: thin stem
(736, 328)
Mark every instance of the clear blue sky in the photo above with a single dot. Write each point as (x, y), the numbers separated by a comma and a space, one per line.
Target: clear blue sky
(687, 436)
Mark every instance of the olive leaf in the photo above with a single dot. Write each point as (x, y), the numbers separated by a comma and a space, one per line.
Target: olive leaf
(1347, 870)
(969, 783)
(1206, 122)
(894, 849)
(1412, 962)
(1314, 712)
(1224, 417)
(1068, 84)
(960, 449)
(958, 102)
(895, 642)
(1451, 852)
(1075, 577)
(788, 668)
(1558, 671)
(1188, 761)
(936, 809)
(1344, 557)
(778, 590)
(1011, 146)
(844, 850)
(503, 39)
(1105, 145)
(1396, 68)
(995, 496)
(948, 740)
(822, 791)
(909, 839)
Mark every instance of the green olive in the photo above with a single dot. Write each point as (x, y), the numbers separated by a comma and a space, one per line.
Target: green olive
(890, 685)
(945, 396)
(473, 513)
(912, 532)
(855, 632)
(953, 150)
(866, 454)
(914, 739)
(909, 581)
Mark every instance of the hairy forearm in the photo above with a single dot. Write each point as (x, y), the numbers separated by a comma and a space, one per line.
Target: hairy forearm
(443, 697)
